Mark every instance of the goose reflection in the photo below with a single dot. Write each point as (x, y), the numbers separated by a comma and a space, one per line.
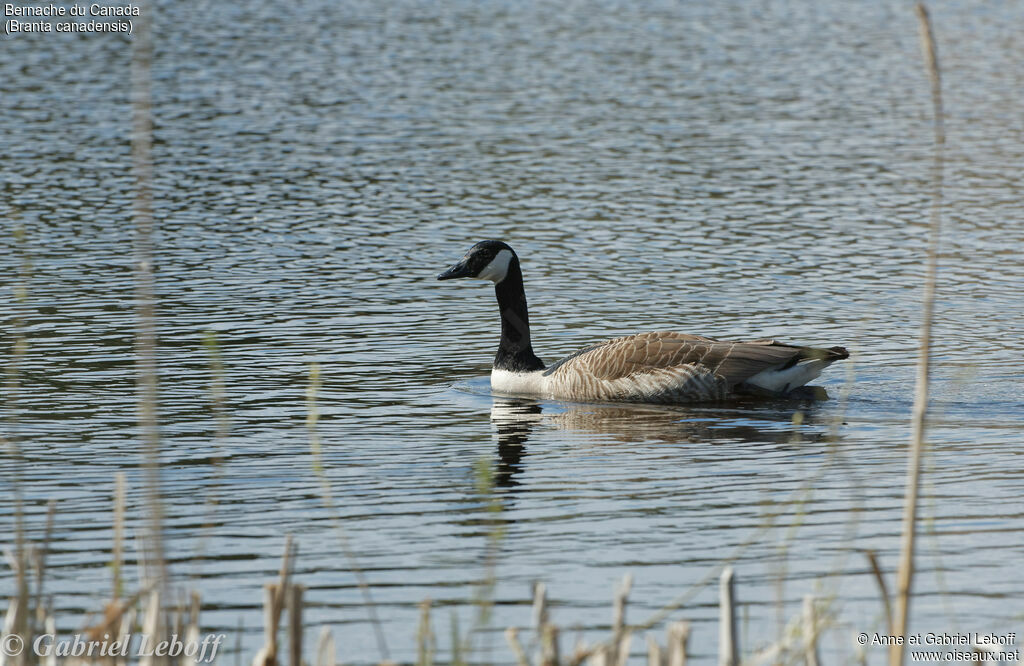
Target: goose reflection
(759, 423)
(513, 419)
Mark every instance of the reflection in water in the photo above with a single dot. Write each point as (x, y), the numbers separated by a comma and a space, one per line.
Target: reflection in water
(513, 419)
(753, 422)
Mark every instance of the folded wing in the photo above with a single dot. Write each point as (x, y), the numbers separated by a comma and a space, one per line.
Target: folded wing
(665, 366)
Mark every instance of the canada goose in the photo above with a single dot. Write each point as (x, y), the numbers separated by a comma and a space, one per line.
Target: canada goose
(657, 367)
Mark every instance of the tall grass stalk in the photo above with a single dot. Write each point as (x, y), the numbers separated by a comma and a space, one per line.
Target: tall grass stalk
(483, 597)
(145, 308)
(217, 402)
(117, 556)
(316, 450)
(906, 570)
(18, 621)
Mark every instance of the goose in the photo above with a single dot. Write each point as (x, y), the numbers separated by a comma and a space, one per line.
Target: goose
(657, 367)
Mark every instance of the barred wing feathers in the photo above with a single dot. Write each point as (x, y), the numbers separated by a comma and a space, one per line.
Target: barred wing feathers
(665, 366)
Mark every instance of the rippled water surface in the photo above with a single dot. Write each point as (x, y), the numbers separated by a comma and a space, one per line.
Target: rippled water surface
(730, 169)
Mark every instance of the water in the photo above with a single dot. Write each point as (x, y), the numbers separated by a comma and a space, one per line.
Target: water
(734, 170)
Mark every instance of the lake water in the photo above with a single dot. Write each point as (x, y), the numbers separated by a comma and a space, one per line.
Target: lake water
(731, 169)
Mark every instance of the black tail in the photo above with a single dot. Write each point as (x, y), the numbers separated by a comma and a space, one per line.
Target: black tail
(830, 354)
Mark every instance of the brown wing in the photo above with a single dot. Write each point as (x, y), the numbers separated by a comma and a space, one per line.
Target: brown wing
(623, 357)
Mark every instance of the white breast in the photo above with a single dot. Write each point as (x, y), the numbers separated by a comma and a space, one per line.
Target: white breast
(527, 383)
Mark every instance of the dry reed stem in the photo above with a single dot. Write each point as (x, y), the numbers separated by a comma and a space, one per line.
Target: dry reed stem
(882, 588)
(118, 554)
(906, 568)
(290, 551)
(128, 625)
(192, 628)
(145, 335)
(51, 628)
(549, 653)
(622, 649)
(425, 637)
(325, 648)
(678, 637)
(456, 642)
(267, 655)
(540, 607)
(654, 657)
(274, 596)
(116, 611)
(294, 596)
(810, 632)
(40, 554)
(619, 647)
(17, 612)
(580, 652)
(512, 638)
(728, 649)
(152, 626)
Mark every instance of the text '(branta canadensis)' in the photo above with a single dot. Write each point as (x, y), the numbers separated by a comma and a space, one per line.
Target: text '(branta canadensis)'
(656, 367)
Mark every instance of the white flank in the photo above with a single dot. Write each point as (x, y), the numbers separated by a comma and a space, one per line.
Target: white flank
(783, 381)
(497, 269)
(685, 383)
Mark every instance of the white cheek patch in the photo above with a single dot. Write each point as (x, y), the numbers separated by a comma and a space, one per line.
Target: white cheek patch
(497, 269)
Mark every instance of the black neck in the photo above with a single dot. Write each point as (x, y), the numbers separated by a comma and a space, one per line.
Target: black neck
(515, 353)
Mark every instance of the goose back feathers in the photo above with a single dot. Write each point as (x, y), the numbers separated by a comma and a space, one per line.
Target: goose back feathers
(657, 367)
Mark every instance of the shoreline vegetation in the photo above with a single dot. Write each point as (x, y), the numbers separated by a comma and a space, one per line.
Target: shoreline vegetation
(152, 625)
(155, 615)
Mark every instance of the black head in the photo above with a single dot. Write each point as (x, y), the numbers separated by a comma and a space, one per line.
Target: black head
(487, 260)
